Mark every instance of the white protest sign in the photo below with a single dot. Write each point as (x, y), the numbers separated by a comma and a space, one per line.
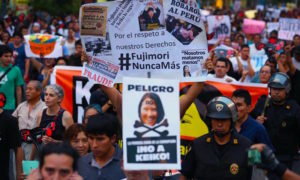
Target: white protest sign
(220, 25)
(96, 42)
(168, 40)
(46, 45)
(151, 124)
(100, 72)
(272, 26)
(288, 28)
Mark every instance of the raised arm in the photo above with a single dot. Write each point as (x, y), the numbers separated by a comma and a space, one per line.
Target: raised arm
(189, 97)
(116, 99)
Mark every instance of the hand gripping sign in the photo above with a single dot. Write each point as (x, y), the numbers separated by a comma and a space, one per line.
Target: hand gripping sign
(151, 123)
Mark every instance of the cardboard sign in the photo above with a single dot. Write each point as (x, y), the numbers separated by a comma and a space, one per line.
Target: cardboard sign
(253, 26)
(220, 25)
(46, 45)
(166, 39)
(93, 20)
(151, 137)
(288, 28)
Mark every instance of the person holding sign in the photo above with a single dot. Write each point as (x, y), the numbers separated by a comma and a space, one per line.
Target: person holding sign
(221, 153)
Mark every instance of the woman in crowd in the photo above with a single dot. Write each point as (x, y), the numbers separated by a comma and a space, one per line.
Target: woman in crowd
(44, 70)
(54, 119)
(77, 137)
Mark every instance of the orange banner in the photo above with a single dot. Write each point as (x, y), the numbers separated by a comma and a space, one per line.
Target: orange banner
(78, 91)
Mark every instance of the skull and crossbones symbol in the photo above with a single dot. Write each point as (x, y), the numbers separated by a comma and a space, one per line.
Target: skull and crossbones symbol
(140, 134)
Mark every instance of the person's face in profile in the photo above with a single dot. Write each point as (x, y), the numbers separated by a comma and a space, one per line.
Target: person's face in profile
(149, 112)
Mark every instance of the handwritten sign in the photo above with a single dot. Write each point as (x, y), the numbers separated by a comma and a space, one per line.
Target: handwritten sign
(288, 28)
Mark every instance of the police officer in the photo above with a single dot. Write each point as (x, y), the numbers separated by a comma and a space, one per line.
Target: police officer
(281, 117)
(222, 152)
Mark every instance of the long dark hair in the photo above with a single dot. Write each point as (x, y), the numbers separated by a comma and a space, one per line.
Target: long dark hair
(158, 103)
(189, 74)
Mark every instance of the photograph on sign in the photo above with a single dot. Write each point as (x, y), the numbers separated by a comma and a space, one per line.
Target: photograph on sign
(93, 21)
(97, 46)
(151, 135)
(151, 17)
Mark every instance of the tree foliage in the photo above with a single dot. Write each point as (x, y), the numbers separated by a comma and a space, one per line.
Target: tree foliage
(57, 7)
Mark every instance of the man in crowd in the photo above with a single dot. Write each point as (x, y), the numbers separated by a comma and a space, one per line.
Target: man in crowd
(246, 63)
(104, 162)
(11, 80)
(281, 117)
(221, 68)
(57, 161)
(9, 139)
(27, 113)
(19, 55)
(75, 59)
(294, 73)
(245, 124)
(222, 152)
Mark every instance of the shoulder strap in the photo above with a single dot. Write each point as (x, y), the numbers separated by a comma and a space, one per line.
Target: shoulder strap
(7, 70)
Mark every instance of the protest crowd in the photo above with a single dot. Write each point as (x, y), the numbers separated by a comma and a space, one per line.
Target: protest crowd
(37, 128)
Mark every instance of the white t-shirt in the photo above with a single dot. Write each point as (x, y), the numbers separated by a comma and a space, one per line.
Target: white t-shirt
(213, 76)
(235, 64)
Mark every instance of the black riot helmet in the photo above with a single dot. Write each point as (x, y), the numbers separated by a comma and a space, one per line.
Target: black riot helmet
(222, 107)
(280, 81)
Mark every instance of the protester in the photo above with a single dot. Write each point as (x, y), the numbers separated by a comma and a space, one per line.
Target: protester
(57, 161)
(11, 81)
(245, 124)
(54, 117)
(75, 58)
(10, 139)
(27, 113)
(19, 56)
(221, 69)
(77, 137)
(91, 110)
(44, 70)
(105, 156)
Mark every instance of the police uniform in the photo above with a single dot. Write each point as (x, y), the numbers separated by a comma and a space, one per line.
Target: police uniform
(283, 120)
(208, 160)
(283, 127)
